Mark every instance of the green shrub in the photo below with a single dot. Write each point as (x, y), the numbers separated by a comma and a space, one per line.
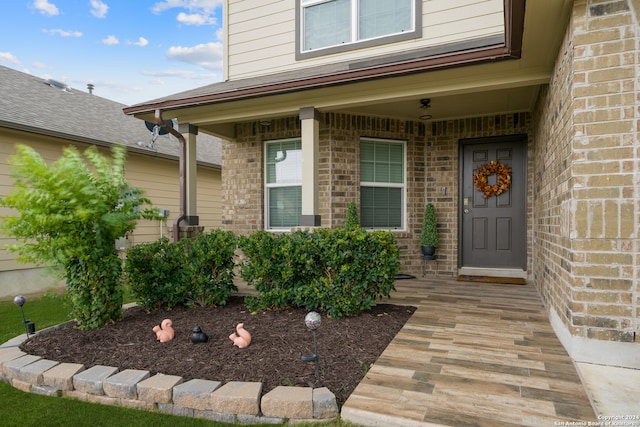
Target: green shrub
(210, 268)
(429, 231)
(339, 271)
(190, 272)
(94, 306)
(352, 220)
(155, 273)
(70, 214)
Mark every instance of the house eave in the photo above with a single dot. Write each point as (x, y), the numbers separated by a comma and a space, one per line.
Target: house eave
(479, 56)
(510, 48)
(89, 141)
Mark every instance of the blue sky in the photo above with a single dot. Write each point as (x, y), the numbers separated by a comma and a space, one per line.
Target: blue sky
(131, 50)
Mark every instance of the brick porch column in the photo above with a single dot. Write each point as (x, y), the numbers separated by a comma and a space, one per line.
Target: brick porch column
(310, 130)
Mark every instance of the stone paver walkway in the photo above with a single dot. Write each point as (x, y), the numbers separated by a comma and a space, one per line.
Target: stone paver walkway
(473, 354)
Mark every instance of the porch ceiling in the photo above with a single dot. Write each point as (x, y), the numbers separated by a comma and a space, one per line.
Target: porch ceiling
(468, 91)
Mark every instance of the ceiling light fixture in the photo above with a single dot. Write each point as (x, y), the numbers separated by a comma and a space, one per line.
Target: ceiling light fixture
(425, 104)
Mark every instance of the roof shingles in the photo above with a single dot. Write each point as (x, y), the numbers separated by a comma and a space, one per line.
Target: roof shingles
(30, 103)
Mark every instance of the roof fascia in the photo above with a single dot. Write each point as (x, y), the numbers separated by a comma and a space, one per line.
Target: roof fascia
(89, 141)
(511, 49)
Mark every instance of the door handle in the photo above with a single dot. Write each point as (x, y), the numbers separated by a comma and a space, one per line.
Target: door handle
(466, 211)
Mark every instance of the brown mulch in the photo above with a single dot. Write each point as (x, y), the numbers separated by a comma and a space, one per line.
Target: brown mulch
(347, 347)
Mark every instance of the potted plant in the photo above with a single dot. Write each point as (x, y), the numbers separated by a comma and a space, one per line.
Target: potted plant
(352, 220)
(429, 233)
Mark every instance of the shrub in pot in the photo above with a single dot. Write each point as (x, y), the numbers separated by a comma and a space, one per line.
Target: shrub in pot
(429, 233)
(352, 221)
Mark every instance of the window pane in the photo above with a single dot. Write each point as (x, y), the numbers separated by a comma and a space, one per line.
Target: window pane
(327, 24)
(382, 184)
(382, 161)
(284, 162)
(380, 207)
(285, 206)
(396, 163)
(383, 17)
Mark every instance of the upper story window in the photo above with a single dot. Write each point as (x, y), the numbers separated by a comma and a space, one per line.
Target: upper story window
(283, 192)
(382, 184)
(328, 26)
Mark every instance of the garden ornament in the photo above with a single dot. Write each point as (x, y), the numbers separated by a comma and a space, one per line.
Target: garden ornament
(165, 332)
(29, 326)
(241, 337)
(198, 336)
(312, 321)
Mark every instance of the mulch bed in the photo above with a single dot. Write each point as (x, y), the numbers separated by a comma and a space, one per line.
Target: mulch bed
(347, 347)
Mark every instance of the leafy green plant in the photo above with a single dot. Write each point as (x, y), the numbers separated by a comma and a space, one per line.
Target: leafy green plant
(189, 272)
(155, 273)
(210, 268)
(339, 271)
(70, 214)
(429, 232)
(352, 220)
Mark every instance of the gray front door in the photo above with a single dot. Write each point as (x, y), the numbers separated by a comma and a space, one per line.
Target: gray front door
(493, 228)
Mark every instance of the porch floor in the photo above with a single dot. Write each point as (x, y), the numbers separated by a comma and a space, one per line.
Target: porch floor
(473, 354)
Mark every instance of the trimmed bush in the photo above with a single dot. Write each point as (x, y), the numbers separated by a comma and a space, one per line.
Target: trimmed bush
(190, 272)
(352, 220)
(339, 271)
(210, 268)
(155, 273)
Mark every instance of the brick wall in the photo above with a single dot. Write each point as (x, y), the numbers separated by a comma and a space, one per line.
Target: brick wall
(432, 163)
(586, 176)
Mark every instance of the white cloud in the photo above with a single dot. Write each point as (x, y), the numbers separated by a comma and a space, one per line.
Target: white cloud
(142, 42)
(39, 65)
(207, 55)
(200, 11)
(46, 8)
(192, 5)
(110, 41)
(195, 19)
(9, 57)
(62, 33)
(98, 8)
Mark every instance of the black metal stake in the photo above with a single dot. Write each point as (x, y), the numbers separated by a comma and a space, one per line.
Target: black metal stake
(29, 326)
(25, 322)
(315, 349)
(314, 357)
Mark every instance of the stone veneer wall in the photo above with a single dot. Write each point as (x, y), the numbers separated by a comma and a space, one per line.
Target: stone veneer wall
(432, 163)
(587, 204)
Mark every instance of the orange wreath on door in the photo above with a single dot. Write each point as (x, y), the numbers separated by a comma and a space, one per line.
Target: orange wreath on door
(503, 178)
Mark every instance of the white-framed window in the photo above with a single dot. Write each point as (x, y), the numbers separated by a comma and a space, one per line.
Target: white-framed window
(382, 184)
(283, 184)
(334, 25)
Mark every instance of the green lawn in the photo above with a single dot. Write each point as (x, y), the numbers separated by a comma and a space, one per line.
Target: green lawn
(18, 408)
(46, 310)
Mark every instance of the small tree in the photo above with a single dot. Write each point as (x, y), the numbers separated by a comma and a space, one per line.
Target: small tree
(70, 214)
(352, 221)
(429, 233)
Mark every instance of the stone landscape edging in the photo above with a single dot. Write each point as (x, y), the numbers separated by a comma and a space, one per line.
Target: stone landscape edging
(231, 402)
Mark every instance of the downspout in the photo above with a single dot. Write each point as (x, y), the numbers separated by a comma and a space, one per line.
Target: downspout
(181, 159)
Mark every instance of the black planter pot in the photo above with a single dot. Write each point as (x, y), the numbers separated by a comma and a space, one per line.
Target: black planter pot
(428, 252)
